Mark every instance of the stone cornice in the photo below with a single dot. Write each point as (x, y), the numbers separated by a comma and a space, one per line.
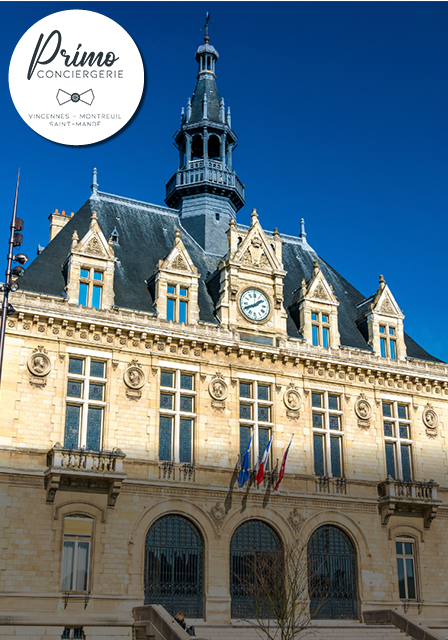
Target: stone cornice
(51, 318)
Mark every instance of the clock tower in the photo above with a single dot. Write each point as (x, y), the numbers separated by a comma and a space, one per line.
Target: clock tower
(250, 283)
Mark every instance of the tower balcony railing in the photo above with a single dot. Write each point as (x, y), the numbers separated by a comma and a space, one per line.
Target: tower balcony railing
(80, 468)
(212, 171)
(411, 497)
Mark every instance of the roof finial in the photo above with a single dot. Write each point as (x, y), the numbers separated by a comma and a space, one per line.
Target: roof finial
(207, 20)
(93, 219)
(316, 268)
(382, 281)
(204, 107)
(222, 111)
(302, 229)
(94, 185)
(253, 217)
(75, 239)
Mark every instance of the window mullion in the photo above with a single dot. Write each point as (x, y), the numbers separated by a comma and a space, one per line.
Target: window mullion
(85, 403)
(75, 566)
(327, 439)
(176, 429)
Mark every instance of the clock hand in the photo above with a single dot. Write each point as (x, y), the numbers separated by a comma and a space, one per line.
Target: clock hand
(254, 304)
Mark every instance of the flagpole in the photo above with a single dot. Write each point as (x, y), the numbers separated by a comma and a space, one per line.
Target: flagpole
(7, 286)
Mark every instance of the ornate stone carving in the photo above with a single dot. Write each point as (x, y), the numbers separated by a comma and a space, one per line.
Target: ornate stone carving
(292, 399)
(430, 420)
(40, 383)
(218, 388)
(133, 377)
(39, 363)
(179, 263)
(133, 394)
(218, 515)
(94, 246)
(320, 293)
(387, 307)
(255, 254)
(295, 520)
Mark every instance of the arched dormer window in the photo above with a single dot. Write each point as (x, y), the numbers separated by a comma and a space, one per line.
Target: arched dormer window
(76, 553)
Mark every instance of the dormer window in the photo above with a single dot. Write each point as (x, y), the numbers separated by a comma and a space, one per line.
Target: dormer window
(388, 342)
(90, 288)
(177, 303)
(320, 324)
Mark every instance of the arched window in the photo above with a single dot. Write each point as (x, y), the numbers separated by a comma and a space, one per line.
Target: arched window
(76, 553)
(214, 147)
(197, 147)
(332, 574)
(251, 539)
(174, 566)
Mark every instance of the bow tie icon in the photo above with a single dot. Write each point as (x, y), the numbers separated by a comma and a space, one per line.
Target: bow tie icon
(63, 97)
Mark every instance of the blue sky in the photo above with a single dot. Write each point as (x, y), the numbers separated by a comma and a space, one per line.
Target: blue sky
(341, 113)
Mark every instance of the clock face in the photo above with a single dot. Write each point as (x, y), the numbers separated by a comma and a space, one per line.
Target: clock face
(255, 305)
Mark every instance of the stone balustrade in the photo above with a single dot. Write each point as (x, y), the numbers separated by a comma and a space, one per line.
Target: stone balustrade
(205, 171)
(81, 459)
(413, 497)
(99, 470)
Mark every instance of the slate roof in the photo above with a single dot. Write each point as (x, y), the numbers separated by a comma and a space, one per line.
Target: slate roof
(205, 84)
(146, 235)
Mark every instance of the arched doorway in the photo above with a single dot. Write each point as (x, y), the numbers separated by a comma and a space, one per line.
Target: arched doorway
(332, 574)
(249, 539)
(174, 561)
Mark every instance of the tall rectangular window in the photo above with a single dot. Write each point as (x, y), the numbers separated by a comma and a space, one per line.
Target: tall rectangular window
(90, 288)
(76, 554)
(406, 568)
(320, 329)
(388, 342)
(84, 412)
(327, 434)
(255, 419)
(398, 442)
(177, 416)
(177, 303)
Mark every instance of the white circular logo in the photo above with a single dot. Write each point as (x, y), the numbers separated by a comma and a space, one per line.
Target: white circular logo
(76, 77)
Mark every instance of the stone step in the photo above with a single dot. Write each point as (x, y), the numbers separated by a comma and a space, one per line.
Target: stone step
(320, 631)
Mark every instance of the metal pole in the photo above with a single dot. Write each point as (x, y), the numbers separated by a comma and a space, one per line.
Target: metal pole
(7, 284)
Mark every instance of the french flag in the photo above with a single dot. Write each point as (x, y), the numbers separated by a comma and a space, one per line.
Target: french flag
(282, 468)
(260, 475)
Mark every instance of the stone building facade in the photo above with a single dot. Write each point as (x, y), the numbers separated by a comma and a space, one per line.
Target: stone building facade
(131, 391)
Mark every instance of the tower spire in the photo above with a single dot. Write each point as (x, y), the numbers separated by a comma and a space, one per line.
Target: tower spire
(205, 189)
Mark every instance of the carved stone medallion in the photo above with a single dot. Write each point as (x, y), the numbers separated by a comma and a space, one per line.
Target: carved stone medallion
(430, 419)
(363, 408)
(39, 363)
(292, 399)
(218, 388)
(134, 378)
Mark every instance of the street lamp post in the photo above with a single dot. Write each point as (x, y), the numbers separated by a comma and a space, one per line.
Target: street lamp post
(15, 240)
